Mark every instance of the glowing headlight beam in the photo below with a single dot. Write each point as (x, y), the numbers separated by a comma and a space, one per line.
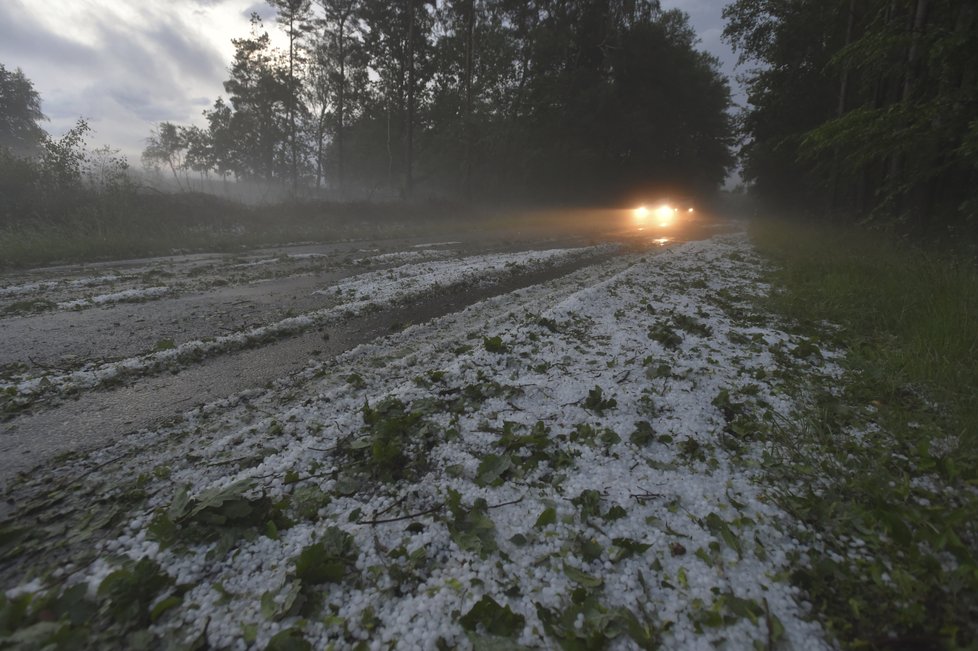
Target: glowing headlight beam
(665, 214)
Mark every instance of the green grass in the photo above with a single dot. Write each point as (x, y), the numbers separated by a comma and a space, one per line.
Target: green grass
(142, 225)
(910, 317)
(887, 455)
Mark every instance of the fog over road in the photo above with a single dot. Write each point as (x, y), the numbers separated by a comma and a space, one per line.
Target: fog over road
(95, 352)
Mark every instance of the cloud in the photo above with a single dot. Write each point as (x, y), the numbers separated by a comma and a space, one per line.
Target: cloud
(122, 66)
(263, 9)
(27, 43)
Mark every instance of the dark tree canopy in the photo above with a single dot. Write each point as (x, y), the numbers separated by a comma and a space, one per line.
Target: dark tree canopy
(43, 179)
(20, 113)
(863, 107)
(491, 99)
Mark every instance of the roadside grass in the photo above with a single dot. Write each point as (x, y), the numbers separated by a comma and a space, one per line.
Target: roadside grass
(143, 225)
(882, 471)
(149, 225)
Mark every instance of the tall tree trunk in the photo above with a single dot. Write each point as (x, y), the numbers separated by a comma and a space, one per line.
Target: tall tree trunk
(340, 102)
(913, 56)
(840, 108)
(469, 46)
(909, 78)
(320, 142)
(917, 195)
(390, 148)
(292, 129)
(408, 189)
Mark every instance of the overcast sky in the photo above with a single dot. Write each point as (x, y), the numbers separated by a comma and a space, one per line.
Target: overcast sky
(126, 65)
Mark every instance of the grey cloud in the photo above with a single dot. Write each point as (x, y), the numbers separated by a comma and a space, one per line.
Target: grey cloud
(156, 71)
(141, 70)
(263, 9)
(146, 107)
(162, 51)
(23, 39)
(178, 43)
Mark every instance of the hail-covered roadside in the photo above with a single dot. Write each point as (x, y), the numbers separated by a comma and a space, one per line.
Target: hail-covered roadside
(359, 294)
(571, 461)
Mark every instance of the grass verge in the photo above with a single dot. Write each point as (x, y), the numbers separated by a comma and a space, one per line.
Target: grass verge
(139, 225)
(881, 472)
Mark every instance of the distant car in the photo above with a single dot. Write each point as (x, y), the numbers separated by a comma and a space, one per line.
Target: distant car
(664, 212)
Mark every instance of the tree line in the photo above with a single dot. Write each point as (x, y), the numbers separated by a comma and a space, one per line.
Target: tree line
(479, 99)
(863, 109)
(45, 179)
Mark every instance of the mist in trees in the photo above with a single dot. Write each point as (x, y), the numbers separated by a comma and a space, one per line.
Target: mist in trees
(863, 109)
(483, 99)
(44, 179)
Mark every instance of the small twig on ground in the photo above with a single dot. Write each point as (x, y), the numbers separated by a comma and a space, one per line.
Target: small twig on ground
(390, 507)
(401, 518)
(496, 506)
(437, 507)
(46, 367)
(225, 462)
(770, 626)
(646, 496)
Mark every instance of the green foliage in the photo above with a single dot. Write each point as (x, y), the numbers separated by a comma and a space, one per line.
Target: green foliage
(547, 517)
(396, 442)
(862, 109)
(492, 469)
(727, 609)
(665, 335)
(582, 578)
(627, 547)
(329, 560)
(163, 344)
(471, 528)
(905, 490)
(721, 529)
(290, 639)
(20, 113)
(538, 438)
(689, 324)
(487, 616)
(224, 514)
(129, 591)
(643, 434)
(601, 625)
(494, 344)
(356, 381)
(596, 401)
(912, 315)
(535, 446)
(307, 500)
(28, 306)
(48, 620)
(589, 503)
(589, 435)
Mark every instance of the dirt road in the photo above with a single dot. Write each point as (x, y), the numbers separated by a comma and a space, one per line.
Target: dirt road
(94, 352)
